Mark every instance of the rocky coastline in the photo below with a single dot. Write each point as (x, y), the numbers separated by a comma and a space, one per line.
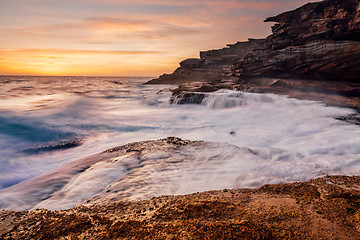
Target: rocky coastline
(324, 208)
(313, 53)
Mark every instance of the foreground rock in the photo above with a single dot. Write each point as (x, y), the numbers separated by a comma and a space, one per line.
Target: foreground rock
(311, 50)
(325, 208)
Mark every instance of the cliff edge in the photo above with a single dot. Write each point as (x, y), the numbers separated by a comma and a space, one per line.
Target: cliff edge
(316, 41)
(313, 53)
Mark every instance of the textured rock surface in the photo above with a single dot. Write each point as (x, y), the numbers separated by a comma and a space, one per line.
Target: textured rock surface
(318, 41)
(325, 208)
(311, 48)
(212, 65)
(336, 60)
(327, 20)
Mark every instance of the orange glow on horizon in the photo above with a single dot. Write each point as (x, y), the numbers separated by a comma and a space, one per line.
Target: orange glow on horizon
(117, 38)
(87, 62)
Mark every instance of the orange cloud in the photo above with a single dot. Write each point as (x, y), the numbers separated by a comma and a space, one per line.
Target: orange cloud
(71, 51)
(59, 37)
(110, 30)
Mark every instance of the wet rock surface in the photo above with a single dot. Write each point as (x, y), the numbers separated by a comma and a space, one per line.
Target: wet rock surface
(324, 208)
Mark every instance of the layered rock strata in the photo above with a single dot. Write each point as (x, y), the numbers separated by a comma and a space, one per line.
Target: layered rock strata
(310, 48)
(213, 65)
(317, 41)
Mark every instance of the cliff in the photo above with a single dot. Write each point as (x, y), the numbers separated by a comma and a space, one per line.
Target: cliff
(313, 53)
(213, 65)
(337, 20)
(316, 41)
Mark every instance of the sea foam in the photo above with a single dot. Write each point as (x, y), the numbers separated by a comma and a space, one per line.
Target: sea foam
(268, 139)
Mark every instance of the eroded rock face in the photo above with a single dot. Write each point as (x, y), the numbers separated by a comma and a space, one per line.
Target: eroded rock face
(213, 65)
(192, 63)
(317, 41)
(338, 60)
(327, 20)
(230, 53)
(310, 47)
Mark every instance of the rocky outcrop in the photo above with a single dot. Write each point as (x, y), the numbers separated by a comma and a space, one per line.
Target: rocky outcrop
(317, 41)
(326, 20)
(231, 52)
(212, 65)
(324, 208)
(328, 60)
(309, 49)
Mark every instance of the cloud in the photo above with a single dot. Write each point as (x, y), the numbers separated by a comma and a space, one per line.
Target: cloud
(122, 32)
(109, 30)
(78, 52)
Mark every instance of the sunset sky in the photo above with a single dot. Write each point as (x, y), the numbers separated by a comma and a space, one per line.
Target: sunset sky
(123, 38)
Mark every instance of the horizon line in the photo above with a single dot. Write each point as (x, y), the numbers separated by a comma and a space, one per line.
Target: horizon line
(16, 75)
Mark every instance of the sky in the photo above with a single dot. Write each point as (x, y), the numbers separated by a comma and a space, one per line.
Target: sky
(123, 38)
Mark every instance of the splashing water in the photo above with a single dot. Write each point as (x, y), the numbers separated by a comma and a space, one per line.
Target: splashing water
(41, 118)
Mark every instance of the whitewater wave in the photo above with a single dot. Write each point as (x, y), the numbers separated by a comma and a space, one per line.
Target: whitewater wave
(280, 139)
(224, 98)
(152, 169)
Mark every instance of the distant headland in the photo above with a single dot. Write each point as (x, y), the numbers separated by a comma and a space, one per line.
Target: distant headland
(313, 53)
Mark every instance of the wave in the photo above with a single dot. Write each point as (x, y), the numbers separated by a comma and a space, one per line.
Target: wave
(226, 99)
(280, 139)
(63, 145)
(223, 99)
(148, 169)
(31, 131)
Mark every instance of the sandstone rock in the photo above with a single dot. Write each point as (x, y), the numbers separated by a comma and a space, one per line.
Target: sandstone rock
(337, 60)
(326, 20)
(317, 41)
(324, 208)
(227, 55)
(192, 63)
(213, 65)
(314, 43)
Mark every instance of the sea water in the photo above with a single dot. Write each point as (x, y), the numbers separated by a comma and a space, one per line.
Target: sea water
(46, 122)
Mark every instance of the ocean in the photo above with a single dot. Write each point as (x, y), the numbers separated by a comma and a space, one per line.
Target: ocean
(46, 122)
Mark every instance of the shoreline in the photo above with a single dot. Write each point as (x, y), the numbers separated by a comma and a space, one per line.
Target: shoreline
(324, 208)
(332, 93)
(312, 54)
